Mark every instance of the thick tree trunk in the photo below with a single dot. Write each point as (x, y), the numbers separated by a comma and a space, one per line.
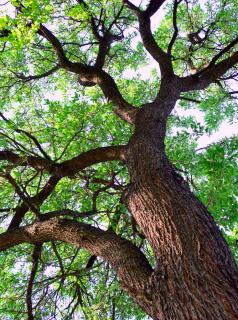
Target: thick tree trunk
(196, 276)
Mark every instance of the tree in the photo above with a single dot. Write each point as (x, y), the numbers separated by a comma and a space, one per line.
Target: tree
(67, 196)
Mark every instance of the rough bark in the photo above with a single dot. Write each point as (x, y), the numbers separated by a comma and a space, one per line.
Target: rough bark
(127, 260)
(195, 277)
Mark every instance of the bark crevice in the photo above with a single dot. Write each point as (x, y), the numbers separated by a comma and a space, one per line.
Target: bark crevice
(195, 270)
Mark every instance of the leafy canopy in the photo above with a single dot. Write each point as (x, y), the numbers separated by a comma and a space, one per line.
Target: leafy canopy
(42, 100)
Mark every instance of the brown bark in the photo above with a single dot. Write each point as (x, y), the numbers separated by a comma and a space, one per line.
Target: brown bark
(68, 167)
(127, 260)
(196, 277)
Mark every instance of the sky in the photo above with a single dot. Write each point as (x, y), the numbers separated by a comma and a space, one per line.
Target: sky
(225, 130)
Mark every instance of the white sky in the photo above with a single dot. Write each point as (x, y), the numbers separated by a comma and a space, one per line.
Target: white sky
(225, 130)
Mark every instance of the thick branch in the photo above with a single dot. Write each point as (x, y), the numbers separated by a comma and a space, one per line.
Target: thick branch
(92, 75)
(37, 163)
(103, 154)
(147, 37)
(102, 53)
(152, 47)
(222, 52)
(218, 70)
(213, 71)
(68, 167)
(58, 171)
(88, 75)
(153, 7)
(57, 46)
(127, 260)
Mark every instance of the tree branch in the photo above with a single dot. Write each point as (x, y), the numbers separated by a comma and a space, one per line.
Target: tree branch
(175, 34)
(35, 260)
(189, 99)
(80, 162)
(38, 199)
(36, 77)
(92, 74)
(126, 259)
(213, 71)
(37, 163)
(147, 37)
(221, 53)
(57, 46)
(68, 167)
(153, 7)
(89, 75)
(58, 171)
(104, 40)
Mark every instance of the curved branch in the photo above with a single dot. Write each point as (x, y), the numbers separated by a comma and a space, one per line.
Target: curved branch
(38, 163)
(38, 199)
(68, 167)
(126, 259)
(213, 71)
(92, 74)
(202, 81)
(58, 171)
(147, 37)
(35, 260)
(152, 47)
(38, 76)
(89, 75)
(57, 46)
(175, 34)
(103, 154)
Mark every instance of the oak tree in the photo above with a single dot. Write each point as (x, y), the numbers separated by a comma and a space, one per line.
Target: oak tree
(104, 190)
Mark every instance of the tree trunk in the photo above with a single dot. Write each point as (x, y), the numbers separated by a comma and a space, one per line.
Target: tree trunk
(196, 276)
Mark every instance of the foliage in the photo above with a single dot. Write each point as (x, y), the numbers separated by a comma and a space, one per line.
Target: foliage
(68, 119)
